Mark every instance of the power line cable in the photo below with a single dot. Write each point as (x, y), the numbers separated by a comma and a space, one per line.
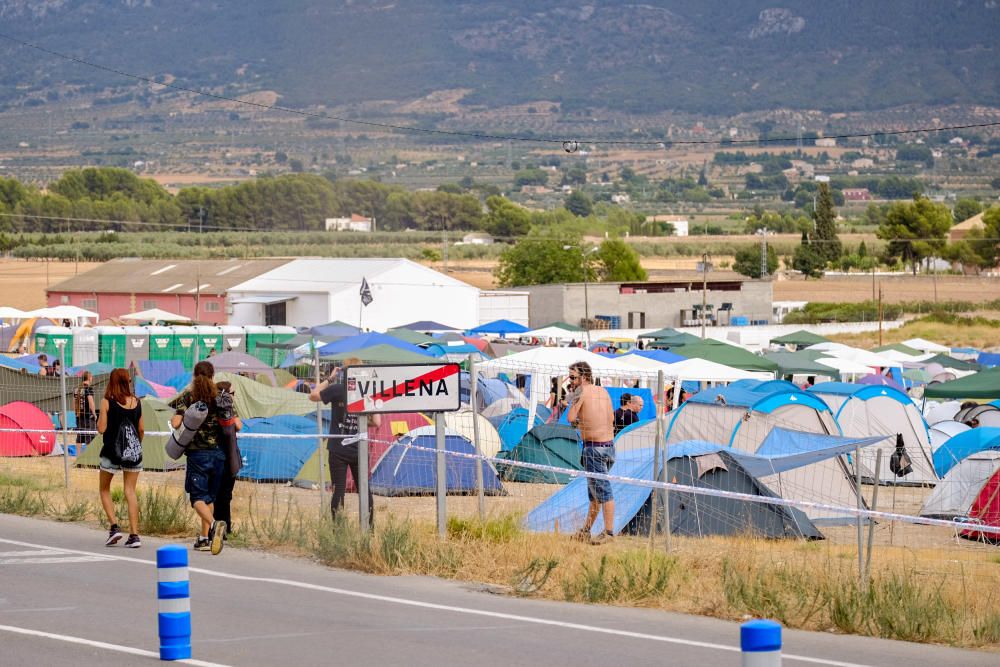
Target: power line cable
(569, 145)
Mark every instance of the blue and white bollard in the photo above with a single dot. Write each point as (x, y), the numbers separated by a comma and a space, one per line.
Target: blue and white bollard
(173, 594)
(760, 642)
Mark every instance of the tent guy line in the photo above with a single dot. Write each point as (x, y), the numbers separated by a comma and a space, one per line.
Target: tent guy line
(423, 605)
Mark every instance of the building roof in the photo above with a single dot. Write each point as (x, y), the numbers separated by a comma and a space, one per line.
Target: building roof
(329, 275)
(167, 276)
(975, 222)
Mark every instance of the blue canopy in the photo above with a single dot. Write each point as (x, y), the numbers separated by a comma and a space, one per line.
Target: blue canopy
(963, 445)
(663, 356)
(502, 327)
(367, 340)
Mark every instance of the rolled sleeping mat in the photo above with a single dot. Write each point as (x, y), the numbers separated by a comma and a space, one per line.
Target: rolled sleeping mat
(192, 420)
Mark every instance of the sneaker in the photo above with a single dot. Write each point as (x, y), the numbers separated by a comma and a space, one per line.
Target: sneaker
(113, 536)
(216, 535)
(202, 544)
(582, 535)
(133, 541)
(604, 537)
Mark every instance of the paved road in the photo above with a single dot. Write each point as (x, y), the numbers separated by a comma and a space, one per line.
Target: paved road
(67, 600)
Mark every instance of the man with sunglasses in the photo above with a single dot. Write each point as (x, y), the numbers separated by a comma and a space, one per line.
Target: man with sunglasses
(591, 412)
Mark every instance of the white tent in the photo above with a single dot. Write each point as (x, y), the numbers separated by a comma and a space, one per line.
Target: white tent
(864, 357)
(942, 432)
(926, 345)
(906, 360)
(954, 496)
(845, 366)
(935, 412)
(10, 313)
(556, 333)
(154, 315)
(461, 423)
(56, 313)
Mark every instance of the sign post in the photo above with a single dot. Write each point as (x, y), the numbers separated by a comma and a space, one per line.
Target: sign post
(427, 388)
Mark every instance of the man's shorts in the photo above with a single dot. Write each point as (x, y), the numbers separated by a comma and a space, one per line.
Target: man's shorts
(204, 474)
(108, 466)
(599, 460)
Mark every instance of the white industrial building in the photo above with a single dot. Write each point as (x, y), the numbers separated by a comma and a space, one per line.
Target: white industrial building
(307, 292)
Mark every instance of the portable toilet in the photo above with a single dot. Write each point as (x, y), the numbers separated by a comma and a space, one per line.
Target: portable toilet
(111, 345)
(136, 345)
(256, 334)
(208, 338)
(234, 339)
(85, 346)
(185, 346)
(49, 339)
(161, 343)
(281, 334)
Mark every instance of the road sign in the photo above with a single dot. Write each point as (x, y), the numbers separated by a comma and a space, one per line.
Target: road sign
(410, 388)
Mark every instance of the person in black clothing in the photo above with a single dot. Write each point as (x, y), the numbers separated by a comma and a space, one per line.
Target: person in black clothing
(624, 416)
(86, 410)
(229, 424)
(343, 451)
(120, 409)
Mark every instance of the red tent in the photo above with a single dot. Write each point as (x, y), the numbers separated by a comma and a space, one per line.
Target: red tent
(986, 509)
(25, 430)
(393, 426)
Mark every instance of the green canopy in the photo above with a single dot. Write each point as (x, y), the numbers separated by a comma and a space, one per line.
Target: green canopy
(951, 362)
(676, 340)
(801, 338)
(411, 337)
(155, 418)
(800, 363)
(662, 333)
(899, 347)
(728, 355)
(984, 384)
(382, 354)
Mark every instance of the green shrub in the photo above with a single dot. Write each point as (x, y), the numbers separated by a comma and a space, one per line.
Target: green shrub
(632, 576)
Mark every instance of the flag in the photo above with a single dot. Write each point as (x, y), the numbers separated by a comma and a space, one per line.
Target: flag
(366, 293)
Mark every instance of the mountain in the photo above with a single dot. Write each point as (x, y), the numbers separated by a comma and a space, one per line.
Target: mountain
(706, 56)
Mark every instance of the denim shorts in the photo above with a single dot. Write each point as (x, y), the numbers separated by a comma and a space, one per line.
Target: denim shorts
(204, 474)
(108, 466)
(599, 460)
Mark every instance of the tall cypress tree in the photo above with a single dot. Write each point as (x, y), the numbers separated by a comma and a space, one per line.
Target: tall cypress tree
(826, 242)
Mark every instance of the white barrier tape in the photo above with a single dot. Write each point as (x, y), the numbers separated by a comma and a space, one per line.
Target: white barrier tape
(173, 605)
(241, 436)
(171, 574)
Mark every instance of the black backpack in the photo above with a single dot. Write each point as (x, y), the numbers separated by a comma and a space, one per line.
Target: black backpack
(900, 463)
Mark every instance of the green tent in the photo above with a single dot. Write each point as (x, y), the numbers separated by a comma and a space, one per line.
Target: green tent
(800, 338)
(411, 337)
(899, 347)
(984, 384)
(43, 391)
(951, 362)
(283, 377)
(155, 418)
(800, 363)
(554, 445)
(728, 355)
(254, 399)
(382, 354)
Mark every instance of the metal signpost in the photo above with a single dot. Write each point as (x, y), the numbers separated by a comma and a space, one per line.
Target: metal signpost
(381, 388)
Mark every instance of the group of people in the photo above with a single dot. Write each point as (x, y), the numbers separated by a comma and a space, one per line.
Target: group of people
(212, 453)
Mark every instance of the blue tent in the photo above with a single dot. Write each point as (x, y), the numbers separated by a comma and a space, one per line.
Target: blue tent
(513, 427)
(178, 381)
(501, 327)
(454, 352)
(143, 388)
(963, 445)
(160, 371)
(276, 459)
(404, 471)
(648, 408)
(367, 340)
(787, 450)
(488, 390)
(988, 359)
(29, 363)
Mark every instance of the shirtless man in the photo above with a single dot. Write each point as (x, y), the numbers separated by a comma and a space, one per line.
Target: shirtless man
(590, 411)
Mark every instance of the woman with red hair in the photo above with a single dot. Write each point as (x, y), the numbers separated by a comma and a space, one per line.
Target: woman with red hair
(120, 423)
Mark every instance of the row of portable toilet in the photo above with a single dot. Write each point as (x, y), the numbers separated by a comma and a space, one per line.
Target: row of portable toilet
(119, 346)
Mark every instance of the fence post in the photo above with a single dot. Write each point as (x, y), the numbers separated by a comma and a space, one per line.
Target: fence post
(441, 485)
(760, 643)
(64, 408)
(860, 521)
(319, 430)
(473, 381)
(871, 522)
(655, 493)
(173, 593)
(362, 482)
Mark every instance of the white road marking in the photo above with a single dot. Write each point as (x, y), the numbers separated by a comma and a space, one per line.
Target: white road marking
(459, 610)
(96, 644)
(36, 609)
(53, 559)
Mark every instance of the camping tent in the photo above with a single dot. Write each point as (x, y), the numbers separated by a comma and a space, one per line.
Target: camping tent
(984, 415)
(745, 413)
(155, 419)
(864, 410)
(242, 363)
(963, 445)
(406, 471)
(362, 341)
(512, 427)
(31, 432)
(935, 412)
(254, 399)
(461, 422)
(970, 492)
(942, 432)
(383, 354)
(984, 384)
(548, 444)
(276, 458)
(43, 391)
(411, 337)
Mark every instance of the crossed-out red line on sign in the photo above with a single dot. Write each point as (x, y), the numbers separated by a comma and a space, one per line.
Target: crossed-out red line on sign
(392, 392)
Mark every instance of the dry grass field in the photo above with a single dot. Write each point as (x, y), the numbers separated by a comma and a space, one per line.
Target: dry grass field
(23, 283)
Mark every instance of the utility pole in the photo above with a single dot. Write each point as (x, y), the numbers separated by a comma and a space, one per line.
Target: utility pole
(763, 253)
(704, 290)
(880, 315)
(201, 219)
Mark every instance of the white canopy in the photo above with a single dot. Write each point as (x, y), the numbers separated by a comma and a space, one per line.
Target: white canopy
(703, 370)
(558, 333)
(906, 360)
(845, 366)
(926, 345)
(154, 315)
(63, 313)
(10, 313)
(864, 357)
